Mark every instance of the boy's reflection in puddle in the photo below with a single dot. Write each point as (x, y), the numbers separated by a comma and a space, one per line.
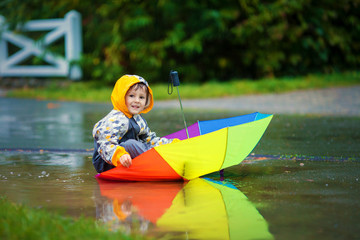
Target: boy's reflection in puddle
(198, 209)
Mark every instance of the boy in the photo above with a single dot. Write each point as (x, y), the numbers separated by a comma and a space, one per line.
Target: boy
(123, 134)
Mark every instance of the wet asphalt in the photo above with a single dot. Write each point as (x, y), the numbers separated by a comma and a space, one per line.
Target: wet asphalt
(339, 101)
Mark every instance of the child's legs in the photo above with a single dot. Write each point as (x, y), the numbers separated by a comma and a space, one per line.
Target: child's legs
(133, 147)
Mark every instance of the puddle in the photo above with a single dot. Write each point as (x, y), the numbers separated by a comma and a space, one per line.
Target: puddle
(302, 182)
(287, 199)
(303, 199)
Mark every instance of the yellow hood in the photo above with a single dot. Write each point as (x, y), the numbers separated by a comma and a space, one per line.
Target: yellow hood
(118, 94)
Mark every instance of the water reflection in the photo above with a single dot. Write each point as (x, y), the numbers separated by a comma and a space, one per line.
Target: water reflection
(198, 209)
(55, 181)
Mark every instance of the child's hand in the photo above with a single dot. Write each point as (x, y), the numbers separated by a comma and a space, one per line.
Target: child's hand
(175, 140)
(126, 160)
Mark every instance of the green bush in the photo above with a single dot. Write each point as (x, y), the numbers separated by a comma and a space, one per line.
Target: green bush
(206, 40)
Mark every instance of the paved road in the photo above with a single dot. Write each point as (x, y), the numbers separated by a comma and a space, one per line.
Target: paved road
(340, 101)
(343, 101)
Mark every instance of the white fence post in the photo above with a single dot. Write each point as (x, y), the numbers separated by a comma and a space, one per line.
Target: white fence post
(59, 66)
(73, 43)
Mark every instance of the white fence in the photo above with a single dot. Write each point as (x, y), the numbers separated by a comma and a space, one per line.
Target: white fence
(57, 66)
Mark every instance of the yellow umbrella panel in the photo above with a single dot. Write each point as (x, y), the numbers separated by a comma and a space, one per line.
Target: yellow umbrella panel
(195, 157)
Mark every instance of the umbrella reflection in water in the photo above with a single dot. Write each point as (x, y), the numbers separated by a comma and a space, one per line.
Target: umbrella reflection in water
(197, 209)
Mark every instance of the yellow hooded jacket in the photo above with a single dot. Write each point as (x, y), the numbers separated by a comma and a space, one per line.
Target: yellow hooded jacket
(110, 130)
(119, 92)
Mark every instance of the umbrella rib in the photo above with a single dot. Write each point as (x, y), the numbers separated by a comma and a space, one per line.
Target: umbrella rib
(226, 147)
(198, 122)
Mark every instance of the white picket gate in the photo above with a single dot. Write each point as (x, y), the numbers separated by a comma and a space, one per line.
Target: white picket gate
(58, 66)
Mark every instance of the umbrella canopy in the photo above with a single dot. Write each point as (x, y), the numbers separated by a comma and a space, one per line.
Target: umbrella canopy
(213, 145)
(198, 209)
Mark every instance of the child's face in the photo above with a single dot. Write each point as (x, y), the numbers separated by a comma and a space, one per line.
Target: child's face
(135, 100)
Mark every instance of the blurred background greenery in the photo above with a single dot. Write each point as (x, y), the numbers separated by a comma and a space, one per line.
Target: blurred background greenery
(208, 40)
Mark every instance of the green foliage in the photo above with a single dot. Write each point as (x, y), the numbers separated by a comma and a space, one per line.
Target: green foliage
(97, 92)
(208, 39)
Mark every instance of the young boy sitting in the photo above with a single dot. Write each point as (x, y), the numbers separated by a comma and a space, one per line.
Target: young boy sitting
(123, 133)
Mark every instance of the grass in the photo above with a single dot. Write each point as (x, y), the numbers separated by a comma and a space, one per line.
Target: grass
(21, 222)
(90, 91)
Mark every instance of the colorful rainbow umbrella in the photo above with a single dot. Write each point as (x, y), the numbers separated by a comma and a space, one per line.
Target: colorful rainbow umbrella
(213, 145)
(197, 209)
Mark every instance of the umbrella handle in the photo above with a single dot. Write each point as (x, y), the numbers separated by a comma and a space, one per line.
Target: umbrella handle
(174, 81)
